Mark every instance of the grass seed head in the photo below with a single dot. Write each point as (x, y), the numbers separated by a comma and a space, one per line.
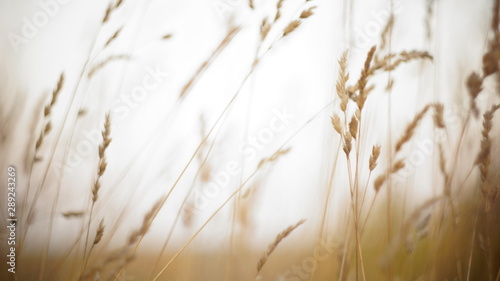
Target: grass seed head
(291, 27)
(282, 235)
(374, 157)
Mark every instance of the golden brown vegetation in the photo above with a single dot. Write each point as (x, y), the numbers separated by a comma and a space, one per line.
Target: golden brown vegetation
(453, 235)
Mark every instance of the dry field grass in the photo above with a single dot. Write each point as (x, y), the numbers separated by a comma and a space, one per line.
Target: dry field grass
(405, 185)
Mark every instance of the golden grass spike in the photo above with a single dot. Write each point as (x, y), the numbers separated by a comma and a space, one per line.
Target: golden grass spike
(490, 62)
(474, 87)
(47, 112)
(342, 79)
(405, 57)
(442, 168)
(103, 63)
(99, 233)
(410, 129)
(379, 181)
(353, 127)
(264, 29)
(275, 243)
(204, 66)
(438, 115)
(384, 63)
(108, 13)
(291, 27)
(106, 140)
(47, 128)
(336, 123)
(273, 157)
(397, 166)
(374, 157)
(57, 90)
(385, 33)
(347, 143)
(113, 37)
(343, 74)
(363, 79)
(73, 214)
(279, 4)
(428, 19)
(307, 13)
(118, 4)
(146, 223)
(95, 190)
(483, 158)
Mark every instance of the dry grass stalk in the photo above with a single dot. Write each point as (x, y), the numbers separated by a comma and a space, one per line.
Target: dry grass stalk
(275, 243)
(347, 143)
(307, 13)
(273, 157)
(428, 18)
(442, 168)
(205, 166)
(374, 157)
(385, 64)
(204, 66)
(113, 257)
(408, 134)
(410, 129)
(111, 8)
(353, 127)
(405, 57)
(126, 254)
(474, 87)
(438, 116)
(397, 166)
(55, 94)
(108, 13)
(47, 112)
(337, 125)
(113, 37)
(291, 27)
(99, 233)
(385, 33)
(382, 64)
(135, 236)
(188, 213)
(484, 157)
(279, 4)
(296, 23)
(106, 140)
(343, 77)
(495, 28)
(250, 4)
(73, 214)
(390, 85)
(363, 79)
(166, 36)
(265, 26)
(118, 4)
(82, 112)
(379, 181)
(103, 63)
(490, 61)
